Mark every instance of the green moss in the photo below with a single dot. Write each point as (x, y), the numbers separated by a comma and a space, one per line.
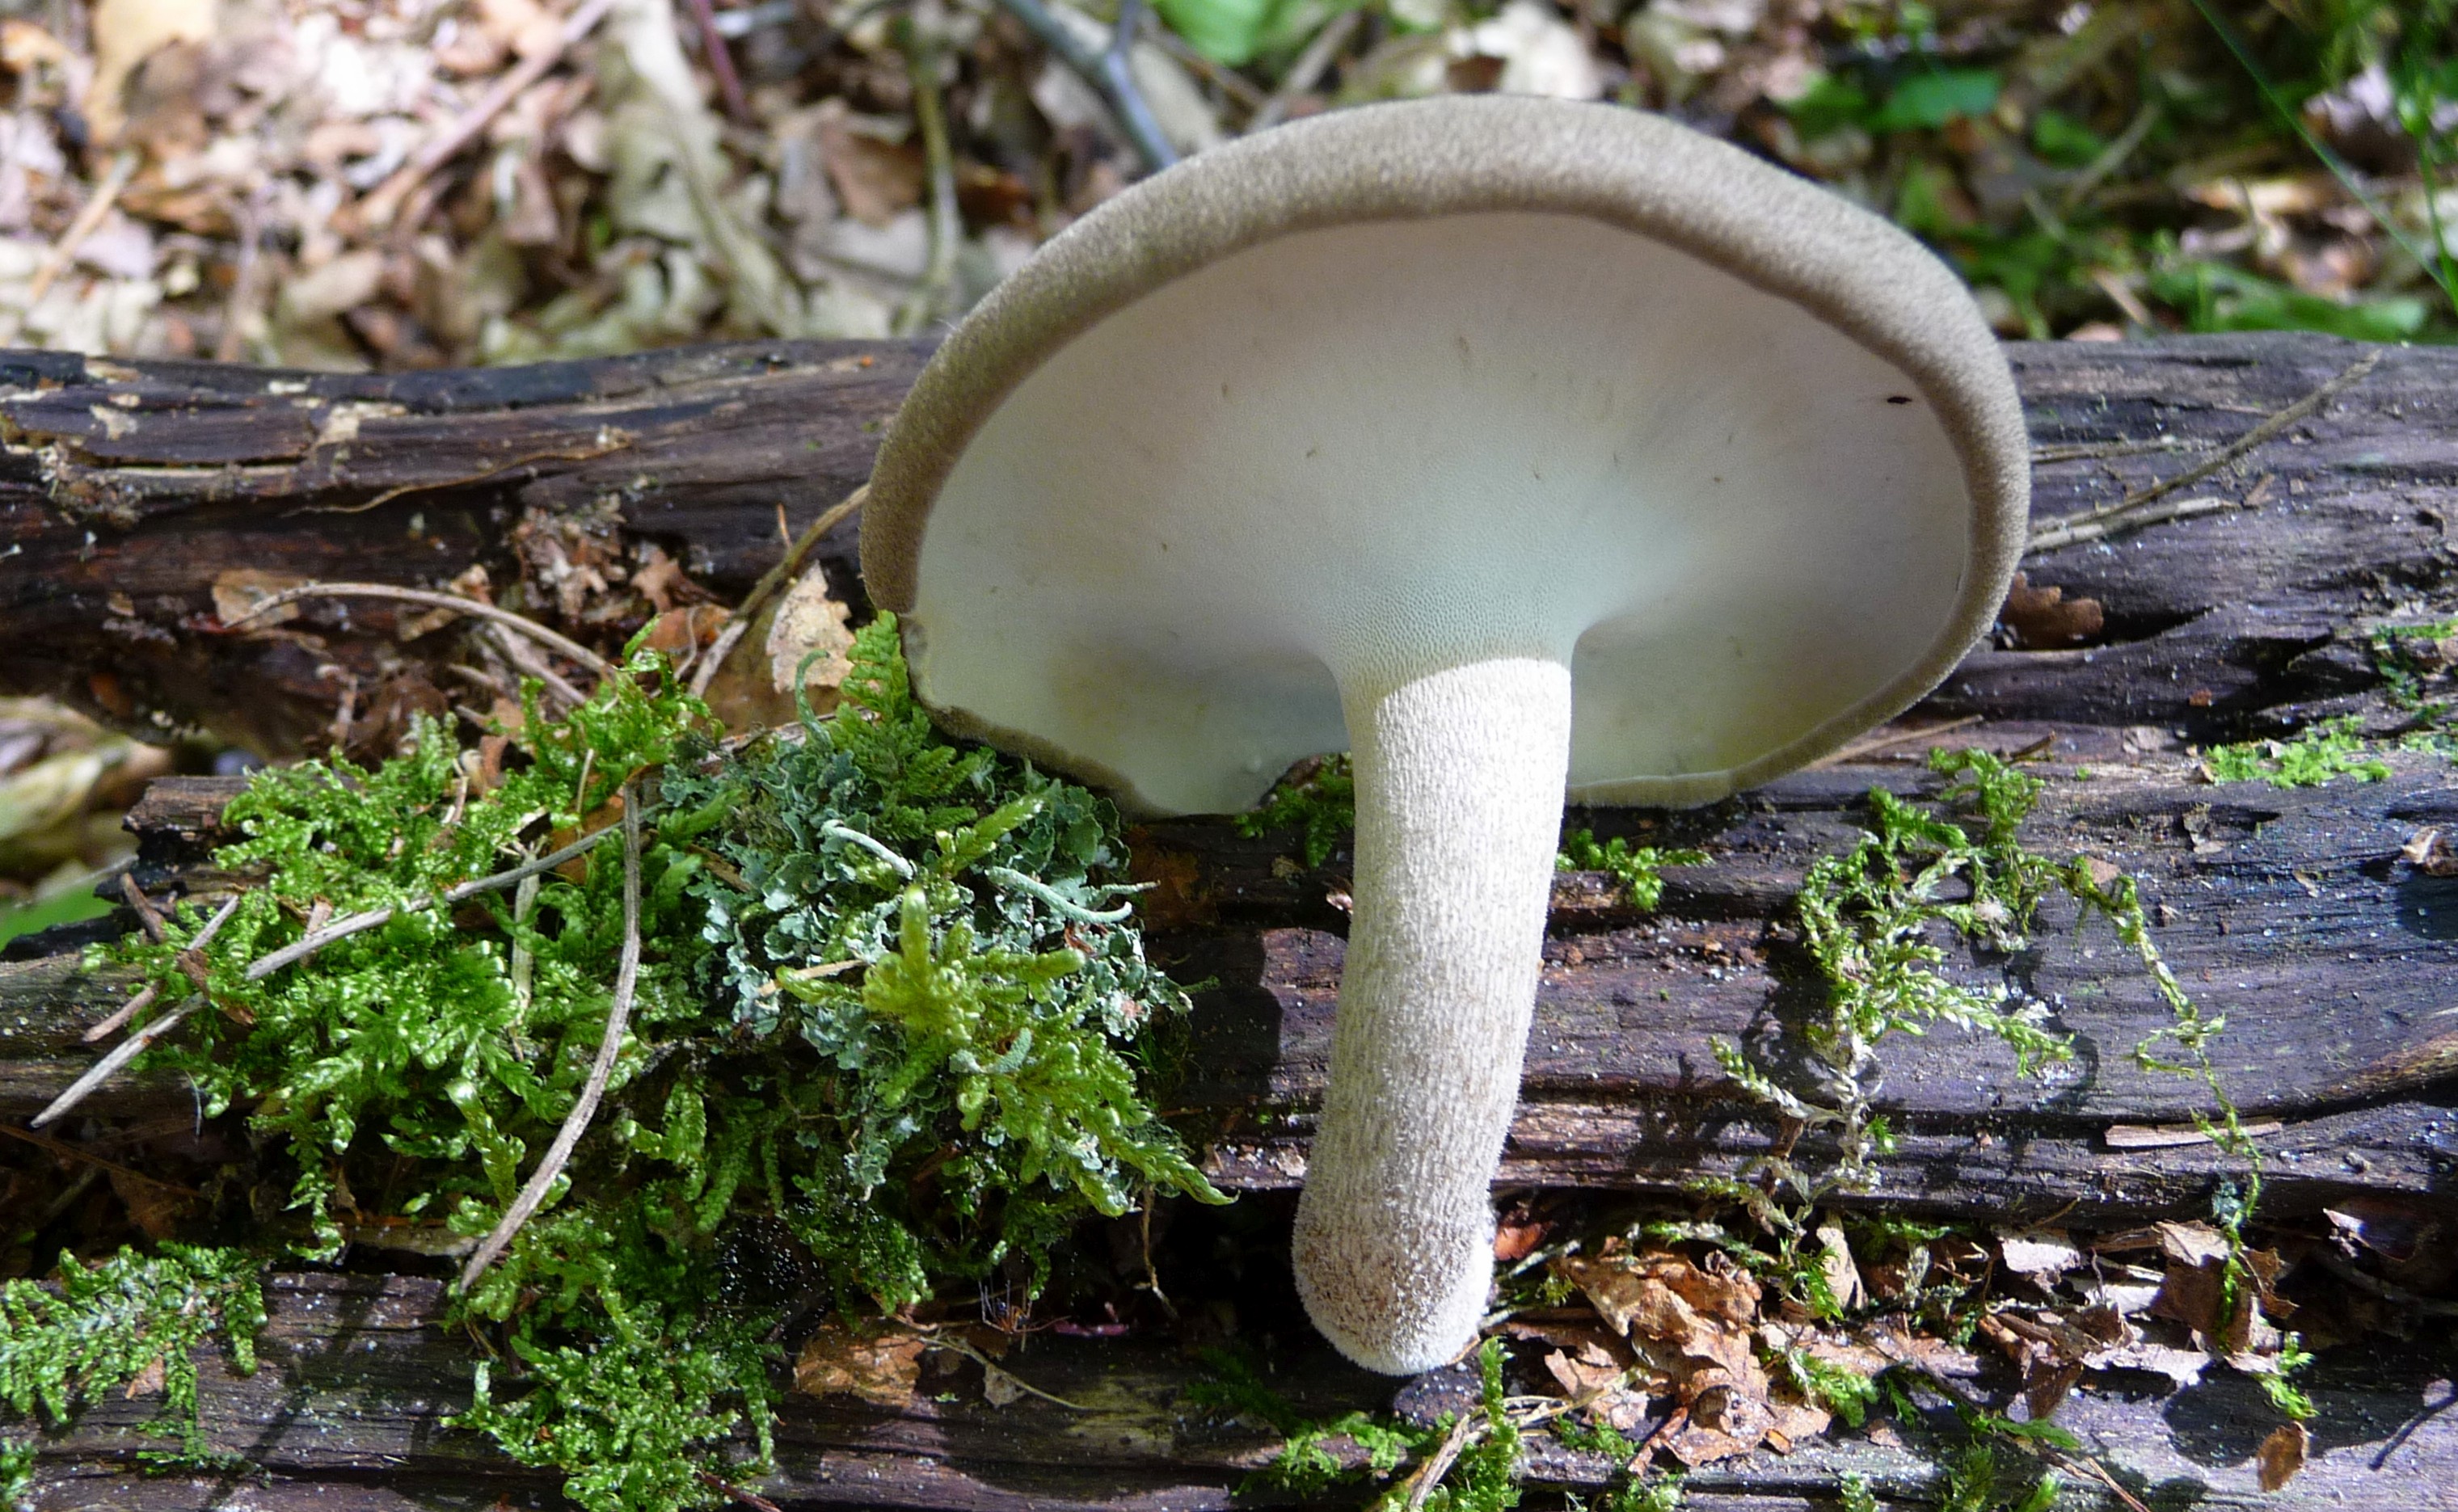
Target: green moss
(1640, 868)
(889, 1014)
(117, 1320)
(1866, 923)
(1482, 1478)
(16, 1475)
(1318, 799)
(2317, 754)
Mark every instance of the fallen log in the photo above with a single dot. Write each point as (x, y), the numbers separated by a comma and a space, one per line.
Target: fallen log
(127, 491)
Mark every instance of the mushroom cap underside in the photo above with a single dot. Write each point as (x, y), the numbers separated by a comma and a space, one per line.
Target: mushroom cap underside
(1409, 386)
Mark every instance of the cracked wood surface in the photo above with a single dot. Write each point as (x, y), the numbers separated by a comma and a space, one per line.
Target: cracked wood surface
(2291, 912)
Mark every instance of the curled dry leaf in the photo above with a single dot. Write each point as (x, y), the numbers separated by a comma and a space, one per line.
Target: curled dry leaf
(881, 1366)
(2040, 1256)
(1691, 1333)
(2432, 852)
(240, 590)
(2283, 1454)
(808, 623)
(2044, 618)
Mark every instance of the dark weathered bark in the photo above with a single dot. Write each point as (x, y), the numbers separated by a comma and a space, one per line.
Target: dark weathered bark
(343, 1417)
(2291, 912)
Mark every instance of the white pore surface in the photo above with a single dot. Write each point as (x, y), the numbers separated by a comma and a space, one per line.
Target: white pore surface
(1359, 454)
(1459, 796)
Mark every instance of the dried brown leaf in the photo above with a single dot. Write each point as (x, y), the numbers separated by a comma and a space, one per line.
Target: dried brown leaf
(2043, 618)
(2283, 1454)
(881, 1367)
(874, 180)
(2432, 852)
(241, 589)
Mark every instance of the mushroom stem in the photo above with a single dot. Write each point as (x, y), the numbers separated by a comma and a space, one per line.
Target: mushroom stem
(1459, 806)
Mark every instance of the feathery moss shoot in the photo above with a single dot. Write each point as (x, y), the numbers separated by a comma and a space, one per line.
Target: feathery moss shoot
(889, 1012)
(113, 1322)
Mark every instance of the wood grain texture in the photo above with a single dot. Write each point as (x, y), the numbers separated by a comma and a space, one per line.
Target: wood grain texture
(2335, 962)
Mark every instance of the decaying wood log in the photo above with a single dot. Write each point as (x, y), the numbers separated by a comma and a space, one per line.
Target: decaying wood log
(127, 491)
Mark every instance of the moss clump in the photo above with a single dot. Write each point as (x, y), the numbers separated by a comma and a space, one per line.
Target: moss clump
(2316, 755)
(110, 1324)
(1318, 799)
(1866, 918)
(1640, 869)
(887, 999)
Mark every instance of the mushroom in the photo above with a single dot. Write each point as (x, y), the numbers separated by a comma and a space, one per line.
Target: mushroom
(1516, 447)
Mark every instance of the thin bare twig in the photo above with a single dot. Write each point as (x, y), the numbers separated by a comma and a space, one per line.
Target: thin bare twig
(1429, 1474)
(68, 1151)
(1309, 68)
(722, 1486)
(1117, 85)
(1869, 745)
(191, 961)
(120, 1016)
(2061, 534)
(618, 1018)
(930, 296)
(2067, 530)
(775, 581)
(121, 1055)
(146, 912)
(474, 607)
(89, 217)
(525, 658)
(2092, 450)
(382, 203)
(307, 944)
(720, 64)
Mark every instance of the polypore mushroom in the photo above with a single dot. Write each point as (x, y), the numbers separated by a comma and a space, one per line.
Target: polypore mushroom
(1512, 444)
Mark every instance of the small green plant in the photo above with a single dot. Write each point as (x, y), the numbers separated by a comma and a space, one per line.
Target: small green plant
(890, 1015)
(1484, 1445)
(1848, 1393)
(1639, 868)
(2183, 1048)
(1318, 799)
(1865, 917)
(16, 1475)
(2318, 754)
(120, 1320)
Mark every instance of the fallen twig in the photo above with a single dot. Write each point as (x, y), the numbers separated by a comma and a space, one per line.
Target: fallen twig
(475, 609)
(1869, 745)
(377, 210)
(722, 1486)
(2061, 534)
(775, 581)
(720, 64)
(2073, 527)
(146, 912)
(1422, 1480)
(1116, 85)
(307, 944)
(1309, 68)
(68, 1151)
(89, 216)
(930, 296)
(120, 1016)
(955, 1344)
(120, 1055)
(126, 1050)
(618, 1018)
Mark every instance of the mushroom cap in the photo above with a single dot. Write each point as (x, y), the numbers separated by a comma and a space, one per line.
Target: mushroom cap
(1401, 388)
